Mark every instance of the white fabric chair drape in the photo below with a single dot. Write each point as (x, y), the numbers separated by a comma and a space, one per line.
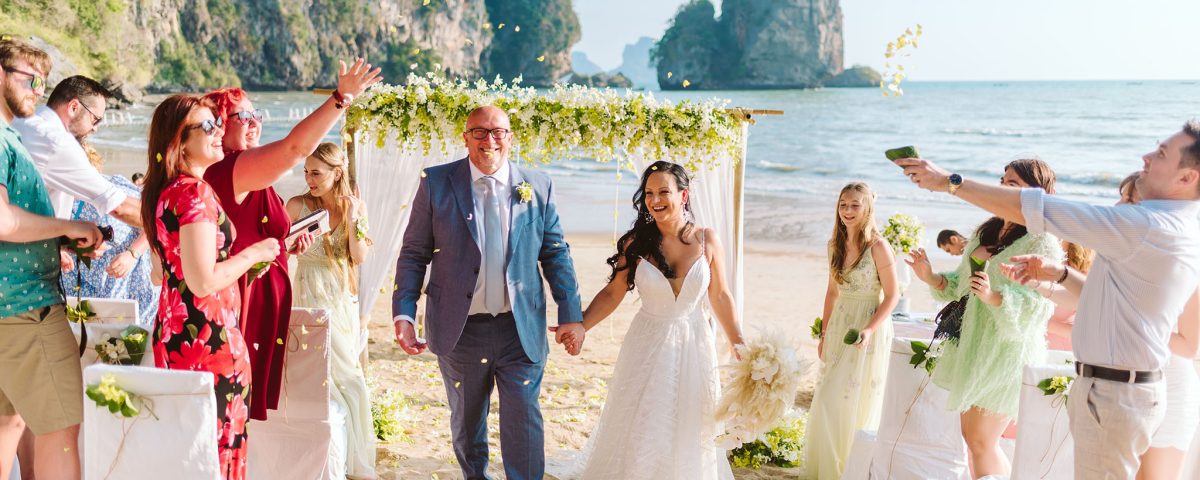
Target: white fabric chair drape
(918, 437)
(388, 178)
(1044, 447)
(179, 444)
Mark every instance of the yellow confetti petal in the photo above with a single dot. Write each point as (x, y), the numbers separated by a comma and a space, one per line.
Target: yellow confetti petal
(436, 250)
(469, 42)
(686, 83)
(483, 360)
(383, 290)
(487, 25)
(304, 346)
(527, 382)
(670, 74)
(158, 157)
(279, 341)
(264, 220)
(423, 174)
(457, 384)
(500, 26)
(517, 28)
(425, 2)
(541, 58)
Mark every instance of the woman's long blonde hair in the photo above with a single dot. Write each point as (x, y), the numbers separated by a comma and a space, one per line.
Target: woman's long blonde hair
(333, 157)
(868, 231)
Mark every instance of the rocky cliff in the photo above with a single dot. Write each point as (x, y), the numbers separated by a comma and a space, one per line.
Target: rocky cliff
(171, 45)
(754, 44)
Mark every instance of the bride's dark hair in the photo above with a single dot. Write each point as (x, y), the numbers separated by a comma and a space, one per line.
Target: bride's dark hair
(644, 240)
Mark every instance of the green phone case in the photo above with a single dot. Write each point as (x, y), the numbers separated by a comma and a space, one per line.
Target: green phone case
(902, 152)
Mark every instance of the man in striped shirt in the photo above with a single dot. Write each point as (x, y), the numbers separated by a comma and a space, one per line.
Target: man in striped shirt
(1147, 266)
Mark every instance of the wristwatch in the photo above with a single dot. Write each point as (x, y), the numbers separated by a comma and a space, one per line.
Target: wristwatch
(955, 182)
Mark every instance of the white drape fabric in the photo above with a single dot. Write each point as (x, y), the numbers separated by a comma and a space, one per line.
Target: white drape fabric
(172, 435)
(387, 179)
(1044, 447)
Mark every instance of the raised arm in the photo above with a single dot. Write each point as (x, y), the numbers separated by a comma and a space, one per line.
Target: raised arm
(261, 167)
(1001, 201)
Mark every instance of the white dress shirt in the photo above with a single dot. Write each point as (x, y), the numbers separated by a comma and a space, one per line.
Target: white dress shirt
(64, 166)
(504, 195)
(1147, 266)
(478, 196)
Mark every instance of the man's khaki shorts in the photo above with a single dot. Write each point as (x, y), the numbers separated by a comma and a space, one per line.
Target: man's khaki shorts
(40, 377)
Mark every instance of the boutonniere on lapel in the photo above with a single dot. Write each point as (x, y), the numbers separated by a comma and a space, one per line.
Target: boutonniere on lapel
(525, 190)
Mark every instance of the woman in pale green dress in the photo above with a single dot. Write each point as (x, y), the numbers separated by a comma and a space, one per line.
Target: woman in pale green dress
(326, 278)
(861, 294)
(1003, 325)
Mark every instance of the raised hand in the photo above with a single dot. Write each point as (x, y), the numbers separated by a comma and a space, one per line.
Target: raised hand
(354, 80)
(925, 174)
(406, 337)
(918, 260)
(1023, 269)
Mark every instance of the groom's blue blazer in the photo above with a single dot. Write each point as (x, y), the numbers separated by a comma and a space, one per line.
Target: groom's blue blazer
(442, 235)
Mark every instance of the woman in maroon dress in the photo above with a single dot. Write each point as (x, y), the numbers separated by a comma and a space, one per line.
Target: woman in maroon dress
(197, 323)
(242, 182)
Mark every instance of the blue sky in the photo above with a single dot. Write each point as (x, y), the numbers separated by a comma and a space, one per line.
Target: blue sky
(970, 39)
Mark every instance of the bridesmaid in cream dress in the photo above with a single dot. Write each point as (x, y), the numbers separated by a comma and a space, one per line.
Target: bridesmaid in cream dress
(861, 295)
(326, 278)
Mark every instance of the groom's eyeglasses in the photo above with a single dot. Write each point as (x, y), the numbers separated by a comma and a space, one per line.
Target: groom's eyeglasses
(495, 133)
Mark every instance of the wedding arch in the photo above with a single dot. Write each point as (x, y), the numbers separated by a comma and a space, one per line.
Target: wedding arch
(392, 133)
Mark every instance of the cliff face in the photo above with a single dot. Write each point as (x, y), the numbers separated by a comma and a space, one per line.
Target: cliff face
(754, 44)
(173, 45)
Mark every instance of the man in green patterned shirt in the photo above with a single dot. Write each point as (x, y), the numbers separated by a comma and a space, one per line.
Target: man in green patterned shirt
(40, 380)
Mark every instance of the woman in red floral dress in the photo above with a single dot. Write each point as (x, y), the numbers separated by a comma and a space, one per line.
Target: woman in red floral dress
(197, 323)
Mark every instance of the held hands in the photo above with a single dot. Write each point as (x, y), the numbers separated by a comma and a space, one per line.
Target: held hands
(1032, 268)
(353, 81)
(925, 174)
(406, 337)
(982, 288)
(570, 336)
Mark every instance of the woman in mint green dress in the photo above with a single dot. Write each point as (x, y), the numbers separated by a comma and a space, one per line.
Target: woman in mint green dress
(1003, 325)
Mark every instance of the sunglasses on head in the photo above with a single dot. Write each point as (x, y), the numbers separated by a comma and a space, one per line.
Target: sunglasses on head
(209, 126)
(36, 82)
(245, 116)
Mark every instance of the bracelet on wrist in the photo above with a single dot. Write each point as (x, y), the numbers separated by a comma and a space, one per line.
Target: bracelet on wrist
(339, 101)
(1063, 278)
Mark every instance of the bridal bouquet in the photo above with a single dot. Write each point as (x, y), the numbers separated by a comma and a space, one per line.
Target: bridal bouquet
(903, 232)
(762, 390)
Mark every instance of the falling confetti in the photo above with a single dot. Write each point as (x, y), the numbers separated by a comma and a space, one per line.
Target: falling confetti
(670, 74)
(500, 27)
(158, 157)
(686, 83)
(891, 78)
(483, 360)
(541, 58)
(425, 2)
(416, 51)
(517, 28)
(279, 341)
(264, 220)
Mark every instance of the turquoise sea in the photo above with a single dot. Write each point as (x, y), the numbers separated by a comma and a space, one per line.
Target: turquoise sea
(1091, 133)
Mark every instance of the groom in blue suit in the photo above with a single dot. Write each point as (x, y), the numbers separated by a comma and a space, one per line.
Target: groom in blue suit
(485, 226)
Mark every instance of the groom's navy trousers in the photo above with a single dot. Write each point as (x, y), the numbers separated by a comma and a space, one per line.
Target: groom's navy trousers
(488, 355)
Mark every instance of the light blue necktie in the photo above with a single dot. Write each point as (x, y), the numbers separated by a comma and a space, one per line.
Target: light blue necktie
(493, 249)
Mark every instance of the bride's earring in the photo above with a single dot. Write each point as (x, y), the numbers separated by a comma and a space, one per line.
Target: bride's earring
(649, 218)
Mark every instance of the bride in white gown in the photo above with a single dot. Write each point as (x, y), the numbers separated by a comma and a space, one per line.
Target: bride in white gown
(658, 420)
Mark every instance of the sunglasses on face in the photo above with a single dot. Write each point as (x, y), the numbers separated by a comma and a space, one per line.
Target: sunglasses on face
(36, 82)
(245, 116)
(495, 133)
(210, 126)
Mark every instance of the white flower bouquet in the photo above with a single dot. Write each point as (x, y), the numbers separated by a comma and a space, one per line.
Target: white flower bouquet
(762, 389)
(903, 232)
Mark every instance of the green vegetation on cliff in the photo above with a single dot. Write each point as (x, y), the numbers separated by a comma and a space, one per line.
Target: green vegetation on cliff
(539, 51)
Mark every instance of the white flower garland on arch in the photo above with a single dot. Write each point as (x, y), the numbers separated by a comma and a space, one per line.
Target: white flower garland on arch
(394, 132)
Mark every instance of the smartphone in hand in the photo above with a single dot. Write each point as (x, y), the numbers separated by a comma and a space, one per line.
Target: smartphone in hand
(902, 152)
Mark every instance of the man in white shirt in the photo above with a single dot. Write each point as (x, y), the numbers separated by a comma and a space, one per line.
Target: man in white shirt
(1147, 266)
(52, 135)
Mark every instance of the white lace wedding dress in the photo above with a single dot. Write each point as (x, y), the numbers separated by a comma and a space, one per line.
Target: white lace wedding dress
(658, 420)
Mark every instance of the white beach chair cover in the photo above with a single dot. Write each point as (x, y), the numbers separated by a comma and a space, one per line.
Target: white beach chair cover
(180, 444)
(303, 421)
(926, 445)
(1044, 446)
